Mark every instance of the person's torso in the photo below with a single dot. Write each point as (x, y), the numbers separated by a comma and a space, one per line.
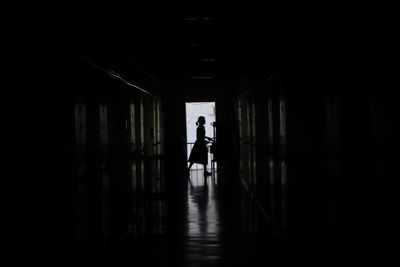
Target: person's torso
(200, 133)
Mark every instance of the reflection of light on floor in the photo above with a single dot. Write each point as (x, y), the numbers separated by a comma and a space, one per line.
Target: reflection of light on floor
(203, 242)
(203, 219)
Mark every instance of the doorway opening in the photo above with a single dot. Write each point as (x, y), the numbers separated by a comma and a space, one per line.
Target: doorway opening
(193, 111)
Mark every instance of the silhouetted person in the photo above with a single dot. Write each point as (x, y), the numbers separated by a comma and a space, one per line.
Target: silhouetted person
(199, 153)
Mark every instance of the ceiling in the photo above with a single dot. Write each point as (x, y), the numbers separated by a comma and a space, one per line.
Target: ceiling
(186, 43)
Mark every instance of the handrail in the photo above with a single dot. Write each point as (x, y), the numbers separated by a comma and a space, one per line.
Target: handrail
(109, 72)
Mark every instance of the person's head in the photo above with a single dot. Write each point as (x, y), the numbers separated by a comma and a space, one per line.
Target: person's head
(201, 120)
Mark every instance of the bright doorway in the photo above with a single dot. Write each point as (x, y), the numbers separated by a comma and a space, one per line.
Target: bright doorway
(193, 111)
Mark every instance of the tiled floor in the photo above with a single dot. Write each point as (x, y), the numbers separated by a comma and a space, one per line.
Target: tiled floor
(210, 227)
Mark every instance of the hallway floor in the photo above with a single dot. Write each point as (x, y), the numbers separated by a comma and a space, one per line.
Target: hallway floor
(207, 226)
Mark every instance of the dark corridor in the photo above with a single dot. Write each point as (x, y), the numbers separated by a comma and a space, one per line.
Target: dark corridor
(306, 139)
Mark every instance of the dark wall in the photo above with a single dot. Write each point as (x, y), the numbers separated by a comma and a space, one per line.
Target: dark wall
(339, 87)
(68, 148)
(37, 111)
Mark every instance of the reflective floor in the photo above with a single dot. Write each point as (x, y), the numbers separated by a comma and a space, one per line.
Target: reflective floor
(206, 227)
